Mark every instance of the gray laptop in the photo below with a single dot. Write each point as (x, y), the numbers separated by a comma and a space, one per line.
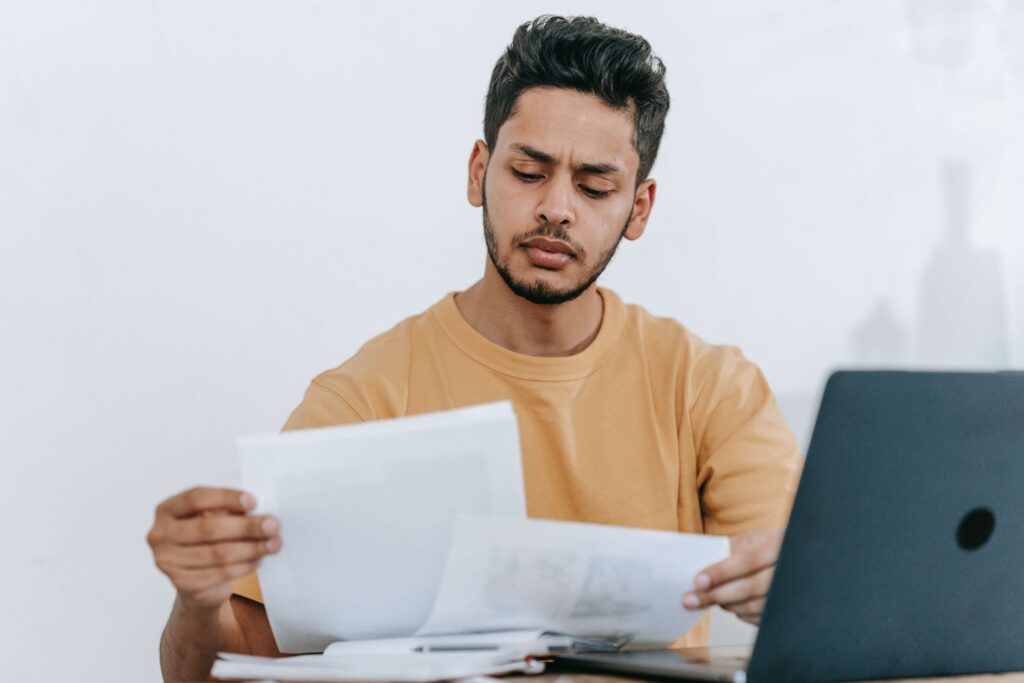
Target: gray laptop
(904, 554)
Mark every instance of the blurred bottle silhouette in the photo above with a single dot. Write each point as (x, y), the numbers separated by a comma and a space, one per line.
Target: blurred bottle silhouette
(881, 339)
(962, 307)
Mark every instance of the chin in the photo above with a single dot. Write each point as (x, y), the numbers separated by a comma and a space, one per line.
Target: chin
(543, 290)
(550, 279)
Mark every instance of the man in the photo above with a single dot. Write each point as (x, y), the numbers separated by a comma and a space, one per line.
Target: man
(624, 418)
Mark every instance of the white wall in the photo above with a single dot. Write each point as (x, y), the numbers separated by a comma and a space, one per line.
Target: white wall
(204, 204)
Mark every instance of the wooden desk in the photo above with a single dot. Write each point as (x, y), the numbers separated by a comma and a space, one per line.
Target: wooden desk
(600, 678)
(558, 673)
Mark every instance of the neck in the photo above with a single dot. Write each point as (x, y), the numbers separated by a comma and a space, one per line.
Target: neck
(493, 310)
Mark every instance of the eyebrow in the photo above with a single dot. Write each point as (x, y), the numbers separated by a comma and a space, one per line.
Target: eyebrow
(545, 158)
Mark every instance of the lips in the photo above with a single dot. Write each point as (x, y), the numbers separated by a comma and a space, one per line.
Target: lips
(552, 246)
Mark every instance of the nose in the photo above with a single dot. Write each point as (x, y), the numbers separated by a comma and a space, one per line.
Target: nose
(556, 207)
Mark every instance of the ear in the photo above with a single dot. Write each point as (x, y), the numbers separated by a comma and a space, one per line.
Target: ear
(477, 170)
(643, 202)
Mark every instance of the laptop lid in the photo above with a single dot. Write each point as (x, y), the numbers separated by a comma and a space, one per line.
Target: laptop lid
(904, 553)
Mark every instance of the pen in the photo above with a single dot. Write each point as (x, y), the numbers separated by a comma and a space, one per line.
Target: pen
(453, 648)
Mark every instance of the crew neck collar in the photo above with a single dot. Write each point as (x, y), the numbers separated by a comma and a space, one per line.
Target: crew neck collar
(525, 366)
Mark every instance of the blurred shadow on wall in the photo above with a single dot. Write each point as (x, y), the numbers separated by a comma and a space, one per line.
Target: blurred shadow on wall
(962, 319)
(962, 316)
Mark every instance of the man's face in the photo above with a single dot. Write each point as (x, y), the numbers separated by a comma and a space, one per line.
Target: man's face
(558, 193)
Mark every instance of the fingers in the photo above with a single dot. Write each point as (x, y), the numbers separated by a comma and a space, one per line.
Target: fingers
(214, 528)
(203, 499)
(731, 568)
(739, 590)
(219, 554)
(740, 582)
(751, 609)
(203, 539)
(751, 552)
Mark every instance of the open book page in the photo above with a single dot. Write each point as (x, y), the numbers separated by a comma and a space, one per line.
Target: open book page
(581, 579)
(366, 516)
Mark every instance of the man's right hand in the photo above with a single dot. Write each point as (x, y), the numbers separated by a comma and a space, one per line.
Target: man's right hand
(203, 539)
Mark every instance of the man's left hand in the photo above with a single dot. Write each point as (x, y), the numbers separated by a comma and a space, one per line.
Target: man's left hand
(740, 582)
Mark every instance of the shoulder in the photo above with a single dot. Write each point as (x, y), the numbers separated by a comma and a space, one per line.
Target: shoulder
(374, 381)
(673, 343)
(702, 371)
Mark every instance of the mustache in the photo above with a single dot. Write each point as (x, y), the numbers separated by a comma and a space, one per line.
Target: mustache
(553, 232)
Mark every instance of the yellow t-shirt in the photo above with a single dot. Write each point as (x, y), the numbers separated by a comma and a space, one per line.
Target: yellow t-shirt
(649, 426)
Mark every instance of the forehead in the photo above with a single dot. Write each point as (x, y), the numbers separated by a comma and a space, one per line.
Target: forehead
(567, 123)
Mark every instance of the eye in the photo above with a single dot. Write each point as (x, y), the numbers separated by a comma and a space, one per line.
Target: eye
(596, 194)
(528, 177)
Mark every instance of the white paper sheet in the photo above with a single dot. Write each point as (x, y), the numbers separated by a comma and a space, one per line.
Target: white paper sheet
(366, 516)
(579, 579)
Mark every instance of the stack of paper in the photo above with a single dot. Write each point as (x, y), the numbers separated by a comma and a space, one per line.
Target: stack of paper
(409, 668)
(416, 527)
(367, 513)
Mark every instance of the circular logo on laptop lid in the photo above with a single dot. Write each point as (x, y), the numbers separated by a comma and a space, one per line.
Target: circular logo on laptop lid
(975, 528)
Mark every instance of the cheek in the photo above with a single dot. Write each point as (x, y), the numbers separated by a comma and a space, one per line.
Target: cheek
(607, 217)
(501, 188)
(509, 209)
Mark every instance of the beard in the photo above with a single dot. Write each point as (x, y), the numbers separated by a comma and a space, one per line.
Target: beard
(538, 291)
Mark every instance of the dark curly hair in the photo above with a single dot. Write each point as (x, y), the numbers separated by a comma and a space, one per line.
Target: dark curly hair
(583, 54)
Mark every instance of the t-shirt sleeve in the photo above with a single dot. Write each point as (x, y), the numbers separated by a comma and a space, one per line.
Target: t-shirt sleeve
(748, 461)
(322, 406)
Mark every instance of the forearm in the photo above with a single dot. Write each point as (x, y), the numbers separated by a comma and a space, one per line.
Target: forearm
(204, 539)
(192, 638)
